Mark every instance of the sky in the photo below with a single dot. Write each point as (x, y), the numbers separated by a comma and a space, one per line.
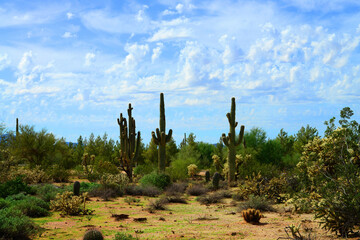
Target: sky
(72, 67)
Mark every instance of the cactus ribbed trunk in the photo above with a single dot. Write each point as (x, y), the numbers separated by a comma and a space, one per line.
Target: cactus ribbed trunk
(129, 144)
(160, 138)
(17, 126)
(231, 142)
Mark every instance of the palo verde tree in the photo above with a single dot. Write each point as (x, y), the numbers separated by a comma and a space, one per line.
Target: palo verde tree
(129, 143)
(160, 138)
(231, 142)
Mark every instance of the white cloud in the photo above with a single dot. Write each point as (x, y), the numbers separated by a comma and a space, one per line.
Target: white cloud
(89, 59)
(170, 33)
(68, 35)
(69, 15)
(4, 61)
(156, 52)
(26, 62)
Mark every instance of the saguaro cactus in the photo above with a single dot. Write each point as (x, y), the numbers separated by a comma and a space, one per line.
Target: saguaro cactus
(160, 138)
(129, 144)
(17, 126)
(231, 142)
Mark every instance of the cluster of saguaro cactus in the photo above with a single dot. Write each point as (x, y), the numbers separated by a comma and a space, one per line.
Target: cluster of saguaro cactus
(160, 138)
(129, 142)
(231, 142)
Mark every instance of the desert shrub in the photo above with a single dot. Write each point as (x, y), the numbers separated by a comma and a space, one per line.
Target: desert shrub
(143, 169)
(251, 215)
(47, 192)
(105, 193)
(225, 193)
(14, 187)
(256, 202)
(67, 204)
(4, 203)
(29, 205)
(15, 225)
(158, 204)
(30, 176)
(130, 200)
(160, 181)
(84, 187)
(124, 236)
(329, 167)
(93, 234)
(176, 189)
(178, 166)
(304, 202)
(114, 184)
(176, 199)
(149, 191)
(59, 173)
(196, 190)
(210, 198)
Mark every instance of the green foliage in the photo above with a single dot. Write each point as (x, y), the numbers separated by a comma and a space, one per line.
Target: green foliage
(143, 169)
(47, 192)
(178, 167)
(329, 168)
(93, 234)
(15, 225)
(14, 187)
(271, 152)
(124, 236)
(58, 173)
(160, 181)
(28, 205)
(256, 202)
(206, 150)
(255, 138)
(116, 182)
(303, 136)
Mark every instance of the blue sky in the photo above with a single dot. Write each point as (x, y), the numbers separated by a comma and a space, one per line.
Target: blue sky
(72, 66)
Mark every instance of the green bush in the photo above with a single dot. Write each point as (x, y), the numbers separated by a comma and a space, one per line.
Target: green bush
(124, 236)
(178, 167)
(160, 181)
(29, 205)
(14, 187)
(15, 225)
(47, 192)
(4, 203)
(256, 202)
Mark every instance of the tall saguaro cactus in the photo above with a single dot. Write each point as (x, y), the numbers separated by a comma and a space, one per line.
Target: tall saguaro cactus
(160, 138)
(129, 144)
(231, 142)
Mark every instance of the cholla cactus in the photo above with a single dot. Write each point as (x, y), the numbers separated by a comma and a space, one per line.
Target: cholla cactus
(217, 162)
(192, 170)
